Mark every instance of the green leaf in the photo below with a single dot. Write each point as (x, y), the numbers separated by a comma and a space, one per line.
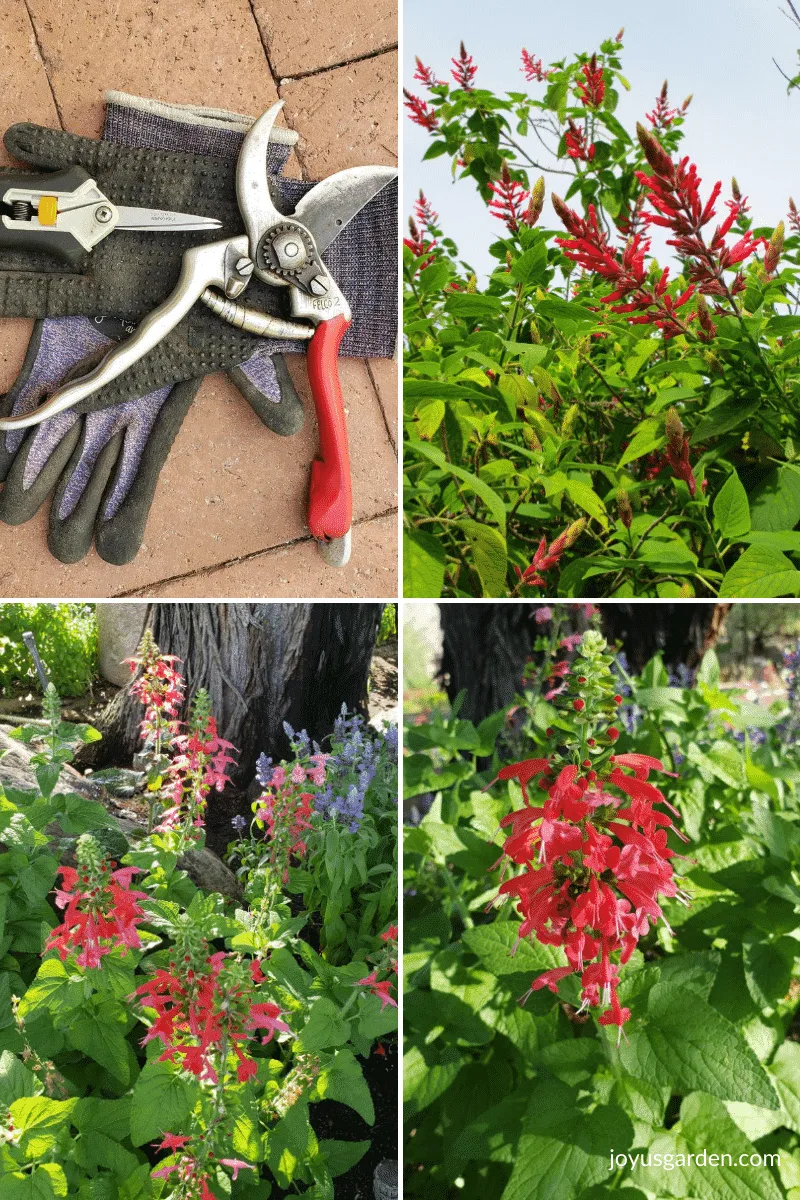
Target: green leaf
(38, 1119)
(341, 1156)
(472, 306)
(638, 355)
(563, 1151)
(424, 562)
(163, 1101)
(587, 499)
(785, 1072)
(433, 278)
(568, 316)
(291, 1144)
(494, 946)
(100, 1034)
(649, 436)
(428, 418)
(768, 967)
(775, 503)
(531, 266)
(52, 980)
(490, 498)
(760, 572)
(16, 1080)
(489, 556)
(343, 1080)
(324, 1027)
(685, 1042)
(427, 1074)
(731, 510)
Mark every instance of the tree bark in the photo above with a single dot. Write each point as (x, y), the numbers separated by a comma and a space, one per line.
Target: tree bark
(486, 646)
(262, 664)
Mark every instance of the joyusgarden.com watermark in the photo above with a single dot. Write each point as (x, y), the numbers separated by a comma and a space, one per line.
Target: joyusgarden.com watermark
(700, 1158)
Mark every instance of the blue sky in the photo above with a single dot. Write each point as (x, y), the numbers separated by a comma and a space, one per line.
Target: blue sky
(741, 121)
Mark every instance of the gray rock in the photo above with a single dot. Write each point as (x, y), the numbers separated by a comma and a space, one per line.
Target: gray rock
(16, 770)
(208, 872)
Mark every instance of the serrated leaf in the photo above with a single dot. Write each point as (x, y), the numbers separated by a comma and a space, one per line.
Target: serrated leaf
(731, 509)
(324, 1027)
(649, 436)
(424, 562)
(163, 1100)
(761, 572)
(489, 556)
(343, 1080)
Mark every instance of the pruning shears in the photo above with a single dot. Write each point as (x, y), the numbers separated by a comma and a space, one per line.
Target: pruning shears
(280, 250)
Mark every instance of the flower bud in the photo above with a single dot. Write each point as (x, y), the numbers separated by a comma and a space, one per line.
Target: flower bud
(774, 249)
(654, 152)
(624, 508)
(535, 204)
(574, 532)
(531, 438)
(674, 430)
(472, 285)
(570, 416)
(536, 337)
(613, 733)
(579, 705)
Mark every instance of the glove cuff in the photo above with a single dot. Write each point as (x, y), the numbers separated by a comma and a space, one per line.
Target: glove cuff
(187, 128)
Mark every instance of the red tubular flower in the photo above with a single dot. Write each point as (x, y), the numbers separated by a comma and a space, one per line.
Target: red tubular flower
(594, 857)
(424, 74)
(199, 767)
(419, 111)
(205, 1008)
(286, 811)
(100, 910)
(509, 200)
(674, 192)
(662, 115)
(592, 88)
(423, 211)
(379, 988)
(577, 147)
(159, 687)
(532, 69)
(546, 557)
(418, 246)
(464, 69)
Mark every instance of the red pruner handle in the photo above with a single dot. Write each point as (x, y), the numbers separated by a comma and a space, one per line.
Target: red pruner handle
(330, 505)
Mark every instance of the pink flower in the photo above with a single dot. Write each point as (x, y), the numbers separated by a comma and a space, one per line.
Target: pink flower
(542, 615)
(236, 1166)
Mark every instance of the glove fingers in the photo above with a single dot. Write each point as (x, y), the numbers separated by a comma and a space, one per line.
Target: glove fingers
(122, 517)
(72, 523)
(266, 384)
(29, 480)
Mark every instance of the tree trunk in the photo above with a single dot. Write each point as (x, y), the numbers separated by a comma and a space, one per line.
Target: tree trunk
(681, 633)
(262, 664)
(486, 646)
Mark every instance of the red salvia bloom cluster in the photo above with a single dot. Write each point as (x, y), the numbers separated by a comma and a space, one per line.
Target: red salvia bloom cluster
(588, 247)
(662, 115)
(286, 812)
(199, 767)
(547, 557)
(159, 688)
(424, 211)
(592, 87)
(205, 1011)
(420, 111)
(424, 74)
(100, 910)
(576, 144)
(464, 69)
(674, 192)
(189, 1167)
(533, 70)
(794, 216)
(594, 855)
(418, 246)
(509, 200)
(386, 961)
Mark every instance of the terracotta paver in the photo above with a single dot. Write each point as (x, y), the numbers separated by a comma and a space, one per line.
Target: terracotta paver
(299, 42)
(231, 501)
(187, 51)
(356, 105)
(294, 571)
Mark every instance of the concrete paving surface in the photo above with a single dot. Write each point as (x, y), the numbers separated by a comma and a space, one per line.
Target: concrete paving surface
(228, 518)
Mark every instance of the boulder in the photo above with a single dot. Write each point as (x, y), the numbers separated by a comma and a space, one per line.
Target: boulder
(208, 872)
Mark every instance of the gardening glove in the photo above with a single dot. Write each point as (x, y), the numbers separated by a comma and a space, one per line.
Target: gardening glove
(129, 273)
(108, 461)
